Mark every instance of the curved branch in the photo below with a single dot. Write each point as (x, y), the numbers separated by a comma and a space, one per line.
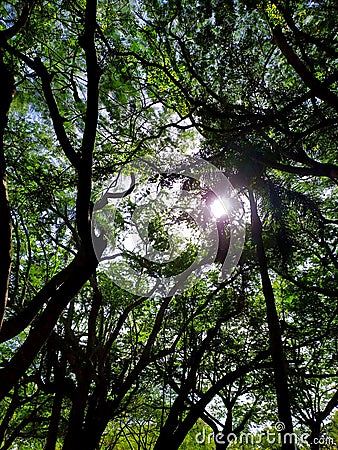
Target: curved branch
(317, 87)
(46, 79)
(80, 270)
(19, 24)
(15, 325)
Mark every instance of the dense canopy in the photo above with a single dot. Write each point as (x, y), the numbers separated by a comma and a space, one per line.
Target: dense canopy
(88, 87)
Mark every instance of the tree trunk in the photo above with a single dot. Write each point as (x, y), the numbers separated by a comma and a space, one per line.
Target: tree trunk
(276, 344)
(6, 95)
(54, 422)
(56, 410)
(314, 436)
(96, 423)
(73, 439)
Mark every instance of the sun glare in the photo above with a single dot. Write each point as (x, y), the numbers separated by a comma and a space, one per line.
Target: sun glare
(218, 208)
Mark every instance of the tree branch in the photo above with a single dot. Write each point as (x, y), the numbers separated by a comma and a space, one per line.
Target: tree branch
(318, 88)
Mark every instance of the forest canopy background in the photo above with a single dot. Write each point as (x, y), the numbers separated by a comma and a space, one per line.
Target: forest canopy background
(86, 87)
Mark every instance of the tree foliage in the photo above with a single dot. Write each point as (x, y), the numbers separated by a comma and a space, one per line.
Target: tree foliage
(90, 85)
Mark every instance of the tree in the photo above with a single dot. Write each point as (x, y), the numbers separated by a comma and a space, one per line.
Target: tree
(88, 87)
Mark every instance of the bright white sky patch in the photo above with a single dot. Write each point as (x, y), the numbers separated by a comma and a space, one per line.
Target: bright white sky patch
(217, 208)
